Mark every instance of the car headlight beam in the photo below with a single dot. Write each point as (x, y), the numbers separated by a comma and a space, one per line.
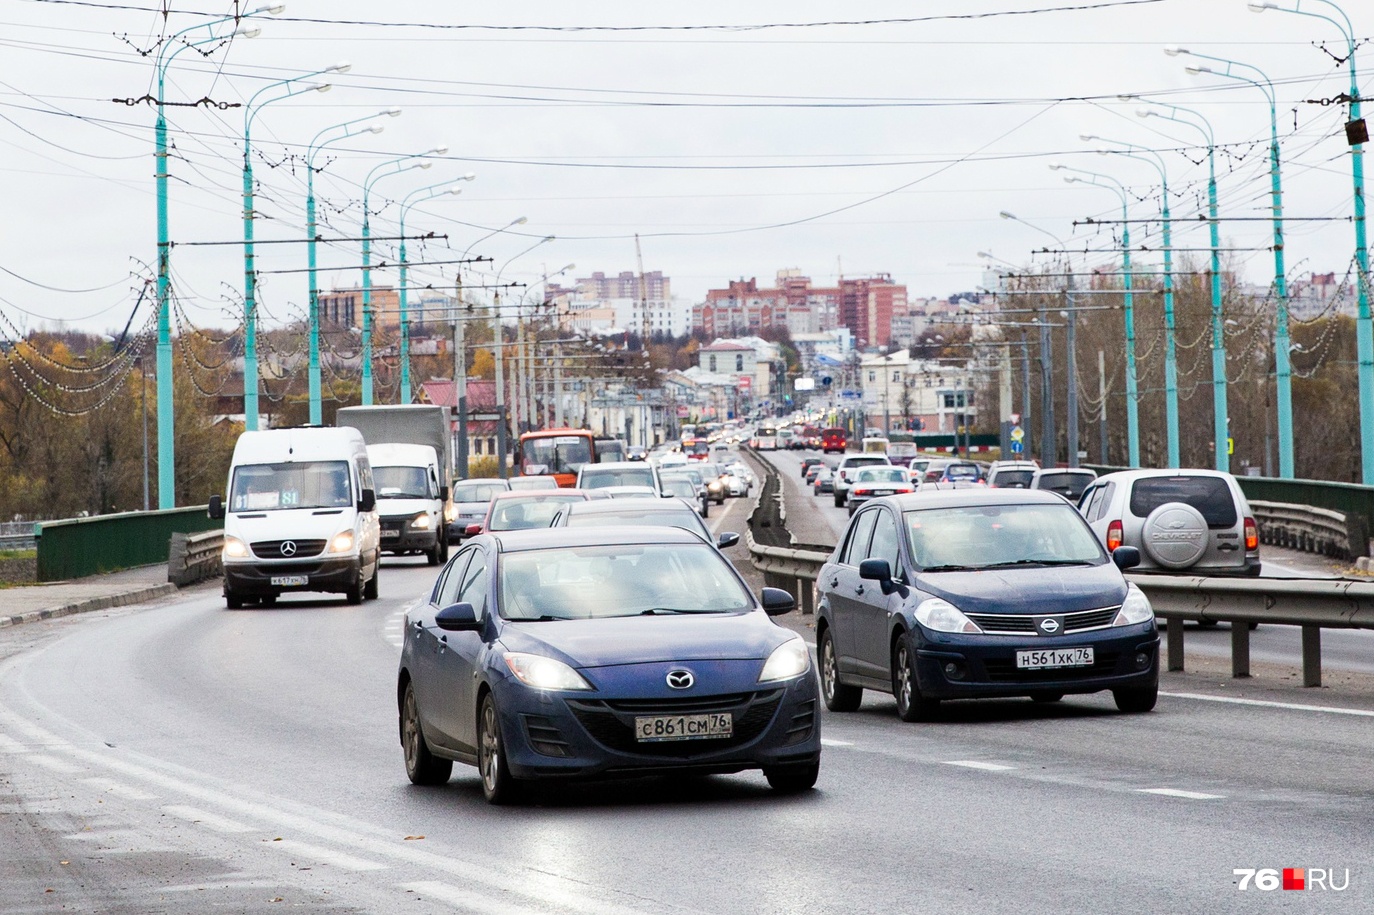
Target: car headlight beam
(342, 542)
(790, 659)
(1135, 609)
(234, 548)
(540, 672)
(942, 616)
(420, 522)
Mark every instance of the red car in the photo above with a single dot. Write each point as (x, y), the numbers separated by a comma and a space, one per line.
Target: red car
(835, 439)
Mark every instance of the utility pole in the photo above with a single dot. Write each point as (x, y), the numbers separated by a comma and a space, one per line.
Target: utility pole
(1102, 401)
(460, 378)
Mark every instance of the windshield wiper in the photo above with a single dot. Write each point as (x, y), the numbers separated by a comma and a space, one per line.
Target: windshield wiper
(1038, 562)
(953, 568)
(655, 611)
(535, 619)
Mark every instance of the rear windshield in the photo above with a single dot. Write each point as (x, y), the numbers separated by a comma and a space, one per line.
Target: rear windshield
(1209, 495)
(601, 477)
(1014, 479)
(865, 461)
(1067, 483)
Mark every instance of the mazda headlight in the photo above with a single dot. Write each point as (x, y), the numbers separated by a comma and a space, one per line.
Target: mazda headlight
(342, 542)
(788, 660)
(1135, 609)
(420, 522)
(544, 673)
(234, 548)
(942, 616)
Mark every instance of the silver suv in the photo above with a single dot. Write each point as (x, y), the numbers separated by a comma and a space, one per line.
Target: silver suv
(844, 472)
(1196, 521)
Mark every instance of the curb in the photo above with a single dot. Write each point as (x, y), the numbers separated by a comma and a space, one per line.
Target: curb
(90, 604)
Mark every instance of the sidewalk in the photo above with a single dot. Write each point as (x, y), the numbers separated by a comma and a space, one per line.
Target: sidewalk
(82, 595)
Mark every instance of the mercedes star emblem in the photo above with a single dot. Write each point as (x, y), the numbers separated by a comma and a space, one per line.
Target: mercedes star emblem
(288, 548)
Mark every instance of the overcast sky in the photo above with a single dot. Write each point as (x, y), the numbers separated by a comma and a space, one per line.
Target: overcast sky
(859, 147)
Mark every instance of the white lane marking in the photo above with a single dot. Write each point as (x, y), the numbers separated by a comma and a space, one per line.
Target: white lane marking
(206, 819)
(120, 841)
(465, 898)
(1264, 703)
(1177, 792)
(53, 763)
(110, 786)
(832, 742)
(982, 766)
(328, 856)
(10, 745)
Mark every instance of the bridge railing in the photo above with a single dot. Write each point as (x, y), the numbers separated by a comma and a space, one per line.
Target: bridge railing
(77, 547)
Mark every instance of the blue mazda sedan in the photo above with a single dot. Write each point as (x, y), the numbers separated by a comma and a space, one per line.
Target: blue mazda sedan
(978, 594)
(595, 652)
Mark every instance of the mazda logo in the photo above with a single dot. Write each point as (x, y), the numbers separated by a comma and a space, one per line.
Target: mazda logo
(680, 679)
(288, 548)
(1049, 626)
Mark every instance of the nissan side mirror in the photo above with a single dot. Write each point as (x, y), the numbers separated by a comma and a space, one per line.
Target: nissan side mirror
(367, 501)
(216, 508)
(1126, 557)
(776, 601)
(727, 540)
(458, 618)
(875, 570)
(472, 530)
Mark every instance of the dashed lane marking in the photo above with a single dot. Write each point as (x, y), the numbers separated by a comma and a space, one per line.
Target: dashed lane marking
(832, 742)
(981, 766)
(1178, 792)
(464, 898)
(1264, 703)
(120, 789)
(328, 856)
(53, 763)
(10, 745)
(206, 819)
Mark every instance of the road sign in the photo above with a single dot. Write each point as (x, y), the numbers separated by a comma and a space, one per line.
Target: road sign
(851, 395)
(1017, 447)
(1017, 436)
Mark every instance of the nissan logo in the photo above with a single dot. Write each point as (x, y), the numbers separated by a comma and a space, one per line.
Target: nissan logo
(680, 679)
(288, 548)
(1049, 626)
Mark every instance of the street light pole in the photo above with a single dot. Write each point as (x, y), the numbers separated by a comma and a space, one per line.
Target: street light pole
(166, 444)
(1221, 428)
(316, 407)
(1132, 390)
(414, 197)
(1356, 135)
(1283, 367)
(250, 307)
(502, 442)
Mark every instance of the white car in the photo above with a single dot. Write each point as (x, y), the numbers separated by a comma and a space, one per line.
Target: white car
(844, 473)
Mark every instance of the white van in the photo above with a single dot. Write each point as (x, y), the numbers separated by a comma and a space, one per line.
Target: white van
(301, 516)
(410, 499)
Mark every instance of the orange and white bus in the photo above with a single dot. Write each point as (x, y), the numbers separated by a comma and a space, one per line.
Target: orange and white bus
(559, 453)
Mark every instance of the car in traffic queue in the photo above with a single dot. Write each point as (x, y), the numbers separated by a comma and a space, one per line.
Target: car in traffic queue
(823, 481)
(1012, 474)
(678, 486)
(1069, 482)
(645, 511)
(876, 482)
(812, 472)
(980, 593)
(835, 439)
(808, 463)
(1193, 521)
(527, 484)
(522, 511)
(716, 487)
(957, 470)
(563, 654)
(471, 500)
(848, 466)
(617, 473)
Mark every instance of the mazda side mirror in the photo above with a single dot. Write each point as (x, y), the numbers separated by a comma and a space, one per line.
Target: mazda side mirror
(216, 508)
(367, 501)
(727, 540)
(458, 618)
(1126, 557)
(776, 601)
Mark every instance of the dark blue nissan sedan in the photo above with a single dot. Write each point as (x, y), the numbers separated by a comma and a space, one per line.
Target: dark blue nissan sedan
(591, 652)
(977, 594)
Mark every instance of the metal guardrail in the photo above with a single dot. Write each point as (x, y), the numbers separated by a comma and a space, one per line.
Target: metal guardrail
(194, 557)
(17, 535)
(1310, 529)
(77, 547)
(1313, 604)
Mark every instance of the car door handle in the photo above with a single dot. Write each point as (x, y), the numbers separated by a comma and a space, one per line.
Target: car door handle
(834, 582)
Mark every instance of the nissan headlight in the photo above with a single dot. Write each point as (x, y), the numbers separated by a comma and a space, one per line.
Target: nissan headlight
(543, 673)
(1135, 609)
(790, 659)
(420, 522)
(342, 542)
(942, 616)
(234, 548)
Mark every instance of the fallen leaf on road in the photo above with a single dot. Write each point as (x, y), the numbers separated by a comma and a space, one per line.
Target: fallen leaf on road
(413, 838)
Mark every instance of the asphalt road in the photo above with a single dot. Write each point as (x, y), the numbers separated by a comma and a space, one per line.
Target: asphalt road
(813, 516)
(185, 758)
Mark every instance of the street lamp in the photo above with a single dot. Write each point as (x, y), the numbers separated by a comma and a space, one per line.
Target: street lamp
(250, 309)
(1221, 430)
(1357, 134)
(389, 167)
(316, 410)
(1047, 444)
(499, 355)
(1081, 176)
(166, 446)
(414, 197)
